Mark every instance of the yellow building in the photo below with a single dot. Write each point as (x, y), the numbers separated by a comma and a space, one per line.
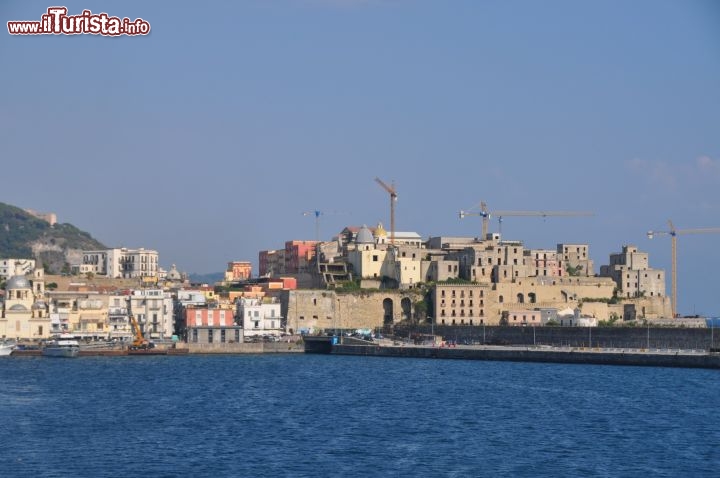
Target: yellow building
(24, 314)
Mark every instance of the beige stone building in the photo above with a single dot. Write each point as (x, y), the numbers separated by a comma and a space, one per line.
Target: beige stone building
(24, 312)
(463, 304)
(577, 257)
(631, 271)
(313, 310)
(79, 312)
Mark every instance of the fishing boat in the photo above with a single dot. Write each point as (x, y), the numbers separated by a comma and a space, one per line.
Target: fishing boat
(62, 347)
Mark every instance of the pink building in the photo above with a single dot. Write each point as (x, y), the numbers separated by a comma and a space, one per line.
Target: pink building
(222, 316)
(295, 258)
(298, 255)
(524, 318)
(239, 270)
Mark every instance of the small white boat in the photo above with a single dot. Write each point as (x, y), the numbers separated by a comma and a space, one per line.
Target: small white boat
(6, 349)
(61, 347)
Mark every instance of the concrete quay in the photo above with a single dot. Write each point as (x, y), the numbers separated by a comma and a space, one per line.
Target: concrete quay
(548, 354)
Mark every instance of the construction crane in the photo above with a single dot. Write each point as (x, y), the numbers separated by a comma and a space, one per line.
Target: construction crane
(673, 233)
(486, 215)
(393, 198)
(139, 341)
(317, 215)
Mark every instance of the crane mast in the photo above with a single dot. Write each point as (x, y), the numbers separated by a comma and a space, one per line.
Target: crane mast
(673, 233)
(393, 198)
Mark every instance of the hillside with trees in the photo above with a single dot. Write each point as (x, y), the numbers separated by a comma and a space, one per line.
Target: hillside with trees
(24, 236)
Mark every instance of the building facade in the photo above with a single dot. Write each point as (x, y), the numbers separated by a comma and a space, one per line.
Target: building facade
(258, 317)
(120, 263)
(8, 267)
(631, 271)
(153, 310)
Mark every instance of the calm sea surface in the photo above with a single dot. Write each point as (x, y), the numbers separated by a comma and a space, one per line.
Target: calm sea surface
(305, 415)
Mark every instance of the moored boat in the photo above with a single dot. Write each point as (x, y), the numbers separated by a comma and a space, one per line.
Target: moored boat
(61, 347)
(6, 348)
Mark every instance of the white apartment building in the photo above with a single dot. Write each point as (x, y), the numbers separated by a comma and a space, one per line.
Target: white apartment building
(7, 267)
(153, 310)
(119, 326)
(259, 318)
(120, 263)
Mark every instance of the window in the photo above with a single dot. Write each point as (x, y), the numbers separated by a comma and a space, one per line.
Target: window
(195, 335)
(237, 335)
(256, 324)
(375, 258)
(222, 336)
(210, 335)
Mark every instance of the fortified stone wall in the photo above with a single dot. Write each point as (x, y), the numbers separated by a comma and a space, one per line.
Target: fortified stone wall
(326, 309)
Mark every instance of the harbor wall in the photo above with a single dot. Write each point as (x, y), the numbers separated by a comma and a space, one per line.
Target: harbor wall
(534, 355)
(608, 337)
(243, 348)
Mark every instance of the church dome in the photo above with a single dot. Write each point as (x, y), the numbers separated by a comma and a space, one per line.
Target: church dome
(174, 274)
(364, 236)
(380, 230)
(17, 282)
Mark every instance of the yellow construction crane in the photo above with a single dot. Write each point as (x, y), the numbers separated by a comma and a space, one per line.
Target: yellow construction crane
(486, 215)
(393, 198)
(673, 233)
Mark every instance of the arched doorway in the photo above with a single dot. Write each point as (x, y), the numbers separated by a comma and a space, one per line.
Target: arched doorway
(406, 308)
(387, 311)
(520, 298)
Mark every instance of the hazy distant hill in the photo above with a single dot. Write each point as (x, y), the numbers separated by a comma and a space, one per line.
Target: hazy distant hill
(25, 236)
(209, 278)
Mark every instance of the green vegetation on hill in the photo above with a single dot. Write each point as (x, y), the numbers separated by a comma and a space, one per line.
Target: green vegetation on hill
(25, 236)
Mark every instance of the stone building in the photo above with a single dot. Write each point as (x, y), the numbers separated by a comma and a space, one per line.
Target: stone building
(633, 276)
(24, 312)
(312, 310)
(462, 304)
(577, 257)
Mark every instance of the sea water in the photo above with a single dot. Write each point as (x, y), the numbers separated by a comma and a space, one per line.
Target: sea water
(313, 415)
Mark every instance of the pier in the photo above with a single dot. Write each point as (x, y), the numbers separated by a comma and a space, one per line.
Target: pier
(548, 354)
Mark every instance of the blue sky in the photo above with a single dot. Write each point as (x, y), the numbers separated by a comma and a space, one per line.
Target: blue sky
(207, 139)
